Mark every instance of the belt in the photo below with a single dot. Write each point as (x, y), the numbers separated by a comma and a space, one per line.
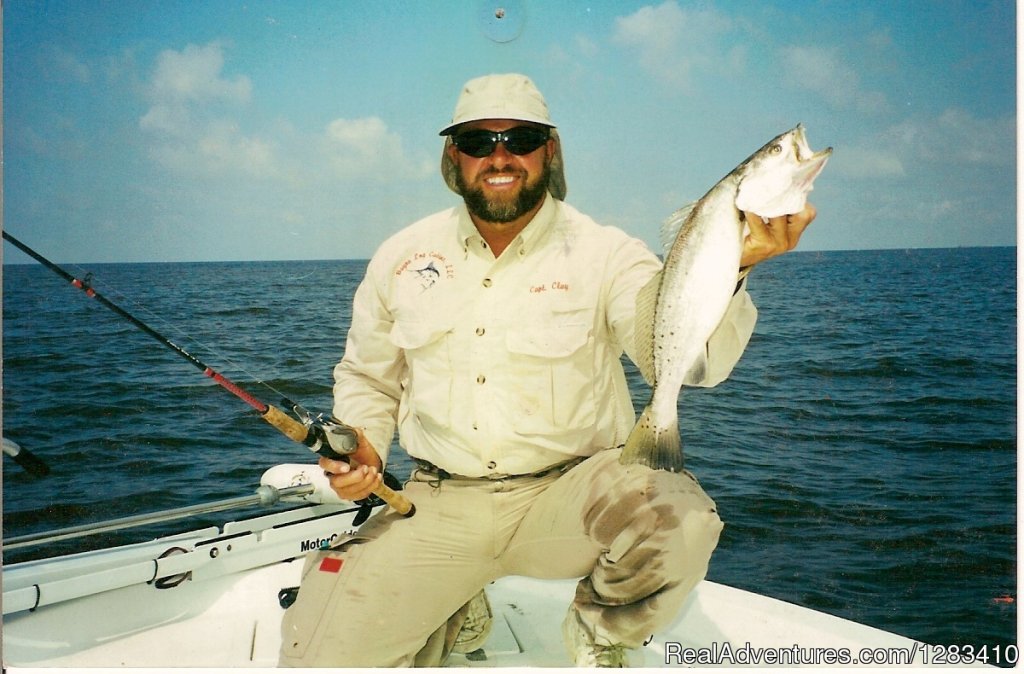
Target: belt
(442, 474)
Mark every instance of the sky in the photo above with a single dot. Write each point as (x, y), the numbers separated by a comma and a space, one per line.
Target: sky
(171, 130)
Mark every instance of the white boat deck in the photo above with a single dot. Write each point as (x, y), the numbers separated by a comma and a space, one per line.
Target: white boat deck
(234, 621)
(101, 610)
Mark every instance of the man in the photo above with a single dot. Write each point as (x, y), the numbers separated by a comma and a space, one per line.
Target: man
(491, 334)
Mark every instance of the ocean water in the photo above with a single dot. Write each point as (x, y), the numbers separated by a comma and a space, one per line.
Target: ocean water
(862, 455)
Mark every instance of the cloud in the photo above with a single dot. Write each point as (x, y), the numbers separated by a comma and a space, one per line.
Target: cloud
(190, 117)
(60, 64)
(194, 74)
(823, 71)
(673, 42)
(224, 145)
(586, 46)
(183, 82)
(959, 135)
(953, 141)
(956, 137)
(365, 147)
(196, 125)
(867, 162)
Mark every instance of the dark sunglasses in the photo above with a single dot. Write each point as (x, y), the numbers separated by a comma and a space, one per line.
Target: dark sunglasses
(519, 140)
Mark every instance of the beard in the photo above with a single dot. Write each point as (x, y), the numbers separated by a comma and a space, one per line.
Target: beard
(503, 210)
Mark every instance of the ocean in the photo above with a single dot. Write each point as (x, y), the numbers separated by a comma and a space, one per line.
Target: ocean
(863, 454)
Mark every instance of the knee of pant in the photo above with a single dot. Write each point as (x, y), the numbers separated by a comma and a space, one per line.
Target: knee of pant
(700, 530)
(682, 522)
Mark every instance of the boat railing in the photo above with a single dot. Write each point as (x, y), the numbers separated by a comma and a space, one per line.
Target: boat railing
(193, 556)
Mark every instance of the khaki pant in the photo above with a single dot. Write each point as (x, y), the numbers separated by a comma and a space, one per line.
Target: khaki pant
(640, 540)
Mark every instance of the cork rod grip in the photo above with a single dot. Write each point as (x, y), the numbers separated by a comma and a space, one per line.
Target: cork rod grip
(284, 423)
(398, 503)
(298, 432)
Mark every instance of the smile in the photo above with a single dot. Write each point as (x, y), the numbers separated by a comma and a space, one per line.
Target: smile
(500, 180)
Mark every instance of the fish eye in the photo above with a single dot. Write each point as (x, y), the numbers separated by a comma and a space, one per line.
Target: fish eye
(777, 148)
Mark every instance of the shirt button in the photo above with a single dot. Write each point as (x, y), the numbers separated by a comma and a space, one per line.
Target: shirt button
(487, 283)
(481, 379)
(491, 465)
(480, 332)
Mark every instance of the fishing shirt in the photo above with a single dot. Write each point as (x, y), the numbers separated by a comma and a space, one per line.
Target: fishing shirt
(493, 367)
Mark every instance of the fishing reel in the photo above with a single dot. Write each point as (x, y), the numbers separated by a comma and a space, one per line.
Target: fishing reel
(327, 436)
(334, 440)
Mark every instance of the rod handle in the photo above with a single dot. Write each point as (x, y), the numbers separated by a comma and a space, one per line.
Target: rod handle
(299, 432)
(293, 428)
(398, 502)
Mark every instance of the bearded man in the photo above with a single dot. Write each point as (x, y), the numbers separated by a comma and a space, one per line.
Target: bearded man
(503, 377)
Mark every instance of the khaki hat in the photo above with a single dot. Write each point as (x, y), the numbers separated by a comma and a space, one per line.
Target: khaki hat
(508, 96)
(505, 96)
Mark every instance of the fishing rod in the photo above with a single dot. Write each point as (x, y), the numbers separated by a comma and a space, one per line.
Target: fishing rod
(323, 435)
(26, 459)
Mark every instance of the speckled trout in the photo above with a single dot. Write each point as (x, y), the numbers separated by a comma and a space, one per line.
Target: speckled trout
(680, 308)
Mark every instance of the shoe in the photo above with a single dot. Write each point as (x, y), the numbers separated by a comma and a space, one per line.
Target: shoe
(582, 649)
(477, 625)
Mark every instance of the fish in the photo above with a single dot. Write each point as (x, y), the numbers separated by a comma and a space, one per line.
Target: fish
(682, 305)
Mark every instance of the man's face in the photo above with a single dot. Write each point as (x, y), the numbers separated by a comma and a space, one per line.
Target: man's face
(502, 186)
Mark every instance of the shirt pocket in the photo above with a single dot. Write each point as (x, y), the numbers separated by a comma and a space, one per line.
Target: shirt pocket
(428, 387)
(552, 379)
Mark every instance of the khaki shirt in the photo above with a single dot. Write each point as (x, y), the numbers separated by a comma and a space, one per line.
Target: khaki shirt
(504, 366)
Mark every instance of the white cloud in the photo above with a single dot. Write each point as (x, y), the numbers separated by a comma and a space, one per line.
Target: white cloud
(224, 146)
(958, 134)
(196, 126)
(366, 147)
(194, 74)
(867, 162)
(951, 142)
(956, 137)
(586, 46)
(823, 71)
(362, 138)
(673, 42)
(184, 83)
(61, 64)
(190, 98)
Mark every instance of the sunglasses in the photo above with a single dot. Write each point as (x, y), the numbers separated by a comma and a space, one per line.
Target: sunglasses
(520, 140)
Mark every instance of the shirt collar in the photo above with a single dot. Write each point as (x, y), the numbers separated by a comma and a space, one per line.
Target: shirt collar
(534, 232)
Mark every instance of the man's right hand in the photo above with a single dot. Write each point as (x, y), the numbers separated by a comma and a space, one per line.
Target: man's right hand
(354, 484)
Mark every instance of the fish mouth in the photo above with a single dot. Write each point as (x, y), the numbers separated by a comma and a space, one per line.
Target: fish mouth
(803, 148)
(811, 163)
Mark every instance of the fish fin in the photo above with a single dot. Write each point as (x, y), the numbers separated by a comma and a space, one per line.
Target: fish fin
(643, 328)
(670, 230)
(660, 449)
(698, 371)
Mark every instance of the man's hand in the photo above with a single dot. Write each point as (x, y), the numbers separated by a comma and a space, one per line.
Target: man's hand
(775, 237)
(354, 484)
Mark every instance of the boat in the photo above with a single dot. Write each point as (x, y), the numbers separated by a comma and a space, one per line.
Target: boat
(215, 597)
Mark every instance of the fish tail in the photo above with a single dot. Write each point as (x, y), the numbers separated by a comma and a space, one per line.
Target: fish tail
(653, 446)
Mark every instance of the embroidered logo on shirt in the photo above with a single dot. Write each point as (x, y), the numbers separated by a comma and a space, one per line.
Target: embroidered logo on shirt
(428, 275)
(427, 269)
